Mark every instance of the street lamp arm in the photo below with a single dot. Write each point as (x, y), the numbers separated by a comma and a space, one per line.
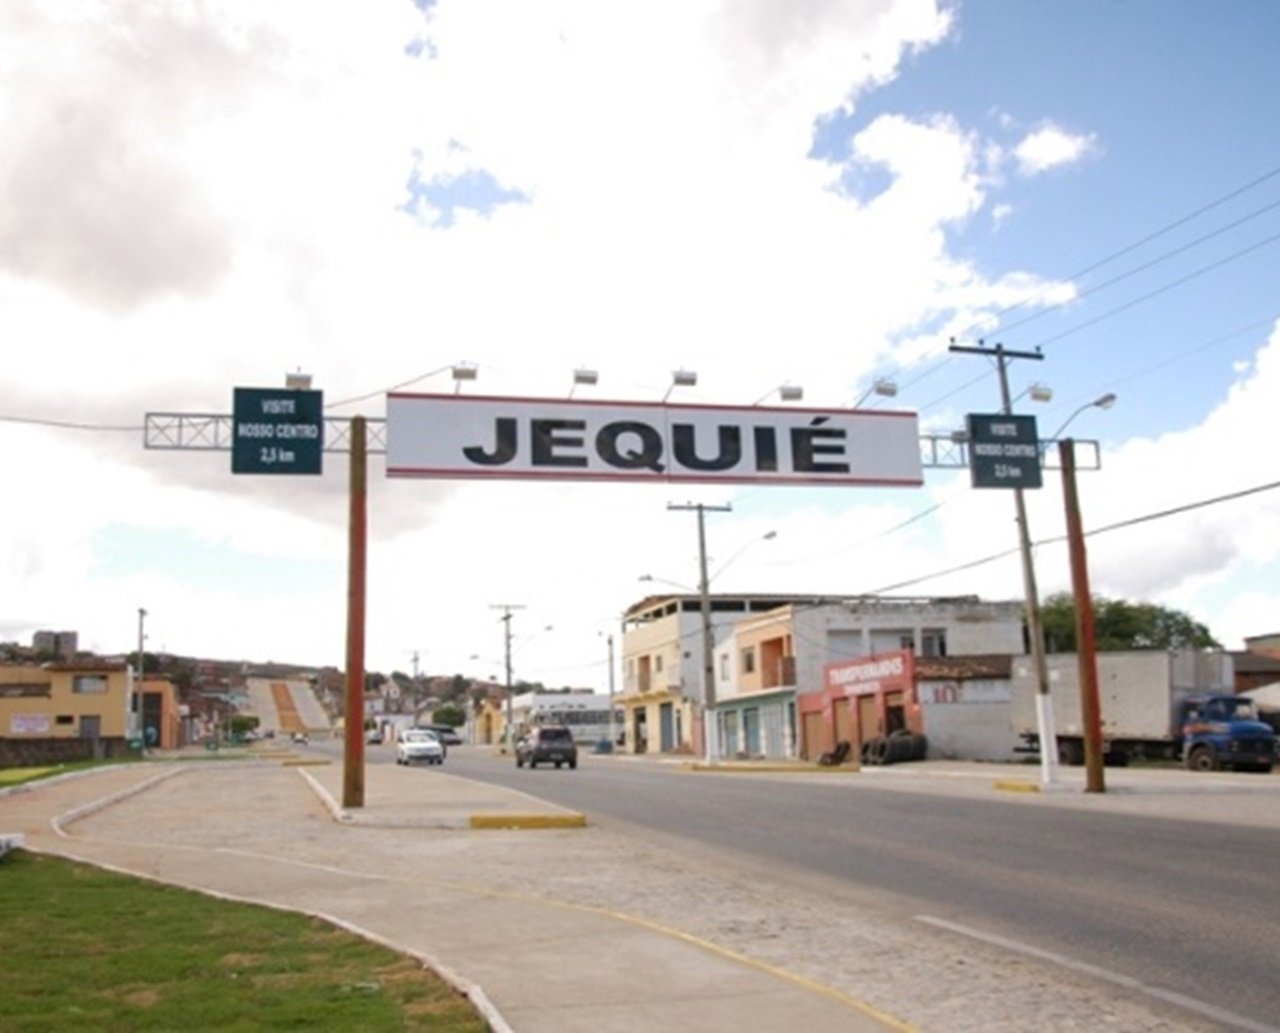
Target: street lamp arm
(1104, 402)
(768, 536)
(665, 581)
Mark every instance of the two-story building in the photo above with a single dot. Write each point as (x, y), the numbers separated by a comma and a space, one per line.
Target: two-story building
(662, 660)
(768, 649)
(65, 711)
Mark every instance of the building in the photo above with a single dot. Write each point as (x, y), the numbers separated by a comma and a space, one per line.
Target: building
(1265, 644)
(56, 712)
(769, 649)
(1259, 664)
(62, 644)
(586, 714)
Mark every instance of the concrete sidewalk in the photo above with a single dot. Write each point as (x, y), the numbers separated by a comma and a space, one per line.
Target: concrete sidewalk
(403, 870)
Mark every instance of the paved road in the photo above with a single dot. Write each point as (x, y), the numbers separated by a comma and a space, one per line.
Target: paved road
(1184, 905)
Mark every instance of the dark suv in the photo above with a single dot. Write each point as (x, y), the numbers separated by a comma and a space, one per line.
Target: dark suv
(547, 744)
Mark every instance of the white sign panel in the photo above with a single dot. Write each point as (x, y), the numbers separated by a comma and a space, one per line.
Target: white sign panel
(29, 724)
(467, 436)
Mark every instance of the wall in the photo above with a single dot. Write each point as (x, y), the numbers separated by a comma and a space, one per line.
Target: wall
(968, 720)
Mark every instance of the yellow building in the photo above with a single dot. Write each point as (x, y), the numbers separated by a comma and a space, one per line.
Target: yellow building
(489, 723)
(64, 711)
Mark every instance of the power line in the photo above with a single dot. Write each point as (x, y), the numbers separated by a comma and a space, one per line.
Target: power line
(1131, 522)
(1128, 248)
(1143, 267)
(1100, 263)
(36, 421)
(1162, 290)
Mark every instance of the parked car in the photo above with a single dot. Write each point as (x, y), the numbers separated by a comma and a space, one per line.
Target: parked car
(447, 734)
(374, 736)
(547, 744)
(414, 744)
(301, 738)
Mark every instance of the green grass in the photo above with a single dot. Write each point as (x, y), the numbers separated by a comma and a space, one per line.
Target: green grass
(88, 949)
(19, 776)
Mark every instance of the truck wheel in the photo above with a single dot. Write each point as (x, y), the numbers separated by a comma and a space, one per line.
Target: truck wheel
(1202, 758)
(1070, 753)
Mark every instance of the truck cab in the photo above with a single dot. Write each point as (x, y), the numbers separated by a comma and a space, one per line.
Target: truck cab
(1225, 732)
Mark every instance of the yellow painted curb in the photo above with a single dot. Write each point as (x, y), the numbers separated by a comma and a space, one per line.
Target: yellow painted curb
(528, 821)
(1018, 787)
(305, 762)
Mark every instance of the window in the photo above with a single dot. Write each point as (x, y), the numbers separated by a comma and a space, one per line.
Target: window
(749, 660)
(64, 719)
(933, 642)
(88, 684)
(724, 666)
(657, 664)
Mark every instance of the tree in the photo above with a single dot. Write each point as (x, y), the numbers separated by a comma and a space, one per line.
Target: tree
(1120, 624)
(453, 716)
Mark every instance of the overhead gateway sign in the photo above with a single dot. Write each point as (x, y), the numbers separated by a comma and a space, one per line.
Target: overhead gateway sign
(468, 436)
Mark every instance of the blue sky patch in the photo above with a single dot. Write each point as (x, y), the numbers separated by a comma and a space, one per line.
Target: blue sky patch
(122, 551)
(438, 200)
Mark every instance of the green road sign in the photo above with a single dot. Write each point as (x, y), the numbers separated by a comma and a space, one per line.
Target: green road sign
(277, 430)
(1004, 451)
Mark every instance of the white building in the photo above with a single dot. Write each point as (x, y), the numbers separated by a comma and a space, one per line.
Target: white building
(766, 649)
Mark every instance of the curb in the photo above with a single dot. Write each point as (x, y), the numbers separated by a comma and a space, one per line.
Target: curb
(1018, 787)
(528, 821)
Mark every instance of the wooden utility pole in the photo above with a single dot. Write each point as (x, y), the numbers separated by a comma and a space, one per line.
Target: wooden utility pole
(358, 532)
(1086, 645)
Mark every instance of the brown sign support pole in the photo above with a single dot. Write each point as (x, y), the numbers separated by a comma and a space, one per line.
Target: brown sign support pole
(353, 751)
(1086, 646)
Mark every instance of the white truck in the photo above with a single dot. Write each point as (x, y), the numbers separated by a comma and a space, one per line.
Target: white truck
(1178, 704)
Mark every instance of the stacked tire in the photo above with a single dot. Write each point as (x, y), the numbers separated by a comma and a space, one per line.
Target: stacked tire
(895, 748)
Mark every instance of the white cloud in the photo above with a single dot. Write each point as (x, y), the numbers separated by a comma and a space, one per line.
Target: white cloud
(223, 208)
(1051, 147)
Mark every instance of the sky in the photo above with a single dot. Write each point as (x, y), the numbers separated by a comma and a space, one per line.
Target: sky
(199, 196)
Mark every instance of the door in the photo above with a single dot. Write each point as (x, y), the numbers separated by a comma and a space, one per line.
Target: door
(666, 727)
(751, 731)
(815, 737)
(844, 726)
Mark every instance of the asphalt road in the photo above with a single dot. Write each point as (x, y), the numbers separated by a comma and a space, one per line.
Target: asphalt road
(1184, 906)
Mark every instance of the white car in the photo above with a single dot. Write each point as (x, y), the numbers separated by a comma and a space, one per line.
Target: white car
(413, 744)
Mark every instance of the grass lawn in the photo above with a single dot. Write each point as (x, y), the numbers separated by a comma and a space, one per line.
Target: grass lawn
(88, 949)
(19, 776)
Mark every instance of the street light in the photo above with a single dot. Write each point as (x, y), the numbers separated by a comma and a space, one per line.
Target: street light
(1039, 393)
(883, 386)
(681, 378)
(1104, 402)
(786, 393)
(587, 377)
(461, 372)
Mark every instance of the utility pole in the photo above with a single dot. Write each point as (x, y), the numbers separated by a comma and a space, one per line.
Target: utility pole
(135, 705)
(508, 729)
(1086, 640)
(1035, 629)
(613, 731)
(708, 649)
(357, 548)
